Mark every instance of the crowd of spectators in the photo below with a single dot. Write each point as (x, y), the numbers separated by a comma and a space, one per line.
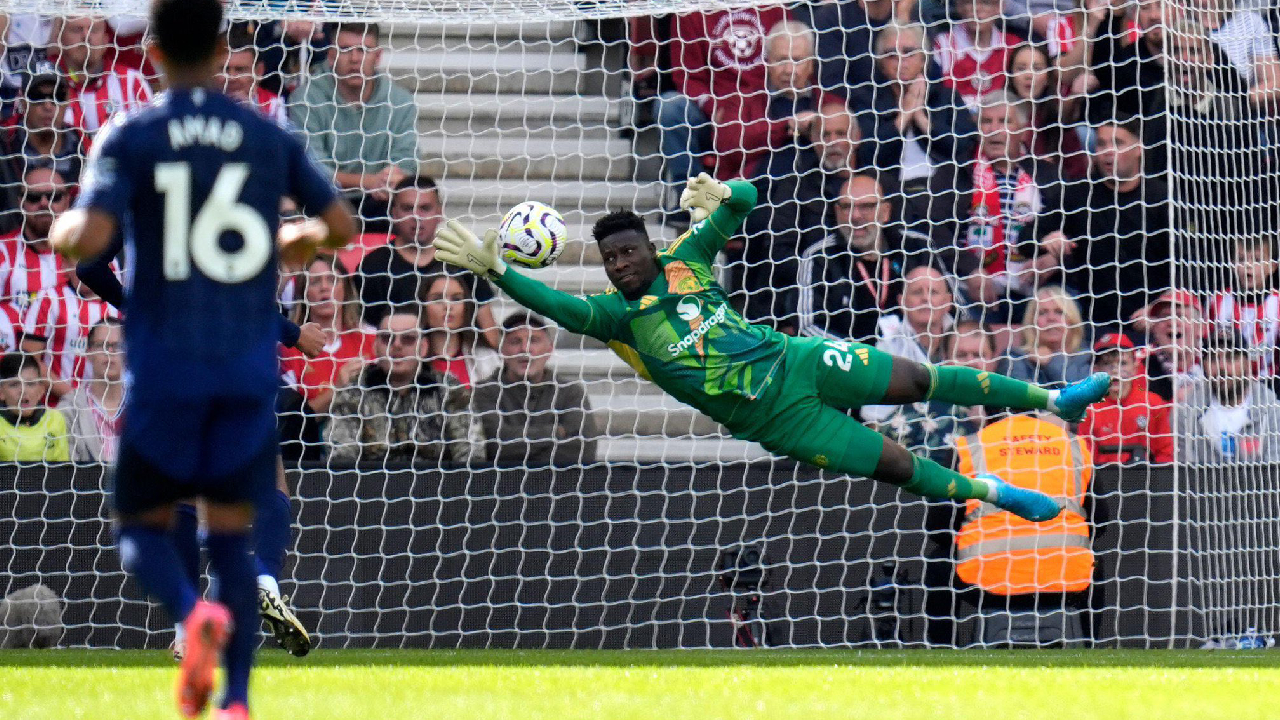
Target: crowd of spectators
(1003, 183)
(389, 355)
(1015, 168)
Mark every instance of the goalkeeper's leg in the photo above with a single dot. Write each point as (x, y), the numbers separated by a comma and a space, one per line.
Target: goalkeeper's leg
(271, 532)
(853, 374)
(833, 440)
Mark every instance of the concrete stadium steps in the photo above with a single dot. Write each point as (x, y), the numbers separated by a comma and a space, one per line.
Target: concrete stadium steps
(529, 32)
(580, 201)
(489, 72)
(525, 158)
(651, 413)
(455, 113)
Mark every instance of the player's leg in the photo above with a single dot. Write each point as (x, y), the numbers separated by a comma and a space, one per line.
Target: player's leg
(227, 541)
(185, 535)
(833, 440)
(853, 374)
(272, 529)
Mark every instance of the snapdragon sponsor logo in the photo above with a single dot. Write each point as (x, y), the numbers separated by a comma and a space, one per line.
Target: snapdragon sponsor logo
(692, 338)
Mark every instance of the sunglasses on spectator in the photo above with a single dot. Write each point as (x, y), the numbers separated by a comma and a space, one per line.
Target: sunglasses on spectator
(52, 196)
(406, 337)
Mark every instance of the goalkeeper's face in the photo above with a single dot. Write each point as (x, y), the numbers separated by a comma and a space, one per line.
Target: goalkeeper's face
(630, 261)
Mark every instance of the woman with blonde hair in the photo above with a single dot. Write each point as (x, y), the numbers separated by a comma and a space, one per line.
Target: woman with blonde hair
(1051, 341)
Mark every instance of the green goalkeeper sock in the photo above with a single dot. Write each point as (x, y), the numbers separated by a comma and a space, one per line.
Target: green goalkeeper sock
(931, 480)
(966, 386)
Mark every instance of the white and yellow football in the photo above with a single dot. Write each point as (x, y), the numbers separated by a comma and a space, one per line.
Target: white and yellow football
(532, 234)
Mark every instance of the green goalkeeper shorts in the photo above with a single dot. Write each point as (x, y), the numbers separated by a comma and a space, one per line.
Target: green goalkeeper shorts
(804, 415)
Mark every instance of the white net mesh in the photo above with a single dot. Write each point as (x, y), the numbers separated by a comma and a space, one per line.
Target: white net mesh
(1027, 188)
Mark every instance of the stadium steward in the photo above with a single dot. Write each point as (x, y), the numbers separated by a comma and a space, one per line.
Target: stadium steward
(358, 123)
(531, 416)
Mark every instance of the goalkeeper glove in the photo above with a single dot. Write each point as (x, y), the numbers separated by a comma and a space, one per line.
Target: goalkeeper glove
(459, 246)
(702, 196)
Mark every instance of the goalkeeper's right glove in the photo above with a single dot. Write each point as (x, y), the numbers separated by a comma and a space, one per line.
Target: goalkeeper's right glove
(459, 246)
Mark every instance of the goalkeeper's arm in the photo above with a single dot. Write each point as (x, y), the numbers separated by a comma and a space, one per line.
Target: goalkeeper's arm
(457, 245)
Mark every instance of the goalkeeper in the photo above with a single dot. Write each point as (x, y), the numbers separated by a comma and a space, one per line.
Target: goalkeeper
(670, 321)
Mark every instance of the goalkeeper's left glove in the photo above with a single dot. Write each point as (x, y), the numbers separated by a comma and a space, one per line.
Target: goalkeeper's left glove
(459, 246)
(702, 196)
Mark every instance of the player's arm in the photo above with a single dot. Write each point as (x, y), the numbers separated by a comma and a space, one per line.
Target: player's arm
(457, 245)
(98, 276)
(332, 230)
(88, 230)
(723, 205)
(83, 233)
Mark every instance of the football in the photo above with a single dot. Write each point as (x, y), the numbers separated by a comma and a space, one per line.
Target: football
(532, 235)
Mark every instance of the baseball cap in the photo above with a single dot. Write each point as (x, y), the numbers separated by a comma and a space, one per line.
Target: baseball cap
(1178, 297)
(1113, 341)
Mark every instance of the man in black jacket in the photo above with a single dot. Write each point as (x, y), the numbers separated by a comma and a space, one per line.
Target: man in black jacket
(1117, 224)
(853, 274)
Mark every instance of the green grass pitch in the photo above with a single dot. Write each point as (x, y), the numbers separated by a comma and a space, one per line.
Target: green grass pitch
(662, 685)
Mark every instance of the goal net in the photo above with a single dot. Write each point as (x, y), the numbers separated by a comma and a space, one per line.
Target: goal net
(1039, 189)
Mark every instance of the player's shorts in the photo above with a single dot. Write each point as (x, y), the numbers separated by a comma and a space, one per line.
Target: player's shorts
(221, 449)
(803, 416)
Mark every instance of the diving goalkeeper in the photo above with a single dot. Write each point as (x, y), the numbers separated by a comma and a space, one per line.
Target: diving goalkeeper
(671, 322)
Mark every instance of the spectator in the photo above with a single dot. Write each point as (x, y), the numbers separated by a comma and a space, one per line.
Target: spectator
(1229, 416)
(399, 410)
(801, 184)
(358, 123)
(289, 51)
(42, 134)
(27, 262)
(992, 207)
(974, 52)
(449, 314)
(29, 431)
(1050, 352)
(242, 72)
(1130, 425)
(1248, 43)
(794, 101)
(846, 31)
(1116, 225)
(716, 113)
(1054, 110)
(93, 411)
(394, 276)
(99, 89)
(531, 417)
(1251, 304)
(1130, 73)
(328, 301)
(847, 280)
(1176, 328)
(919, 122)
(928, 312)
(55, 330)
(24, 36)
(970, 345)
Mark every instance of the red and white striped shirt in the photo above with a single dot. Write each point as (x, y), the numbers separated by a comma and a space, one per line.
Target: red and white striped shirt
(10, 327)
(972, 72)
(118, 89)
(25, 271)
(63, 319)
(1257, 322)
(271, 105)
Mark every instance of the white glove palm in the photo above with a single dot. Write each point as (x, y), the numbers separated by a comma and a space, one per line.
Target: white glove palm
(459, 246)
(702, 196)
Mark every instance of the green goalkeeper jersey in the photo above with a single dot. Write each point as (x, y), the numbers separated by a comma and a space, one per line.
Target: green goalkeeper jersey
(682, 334)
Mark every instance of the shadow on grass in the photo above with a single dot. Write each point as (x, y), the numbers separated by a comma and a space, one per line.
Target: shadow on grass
(676, 658)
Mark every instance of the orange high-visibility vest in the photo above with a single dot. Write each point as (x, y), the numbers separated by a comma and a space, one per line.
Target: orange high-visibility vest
(999, 551)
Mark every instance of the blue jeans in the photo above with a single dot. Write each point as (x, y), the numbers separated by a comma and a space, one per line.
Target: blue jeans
(686, 136)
